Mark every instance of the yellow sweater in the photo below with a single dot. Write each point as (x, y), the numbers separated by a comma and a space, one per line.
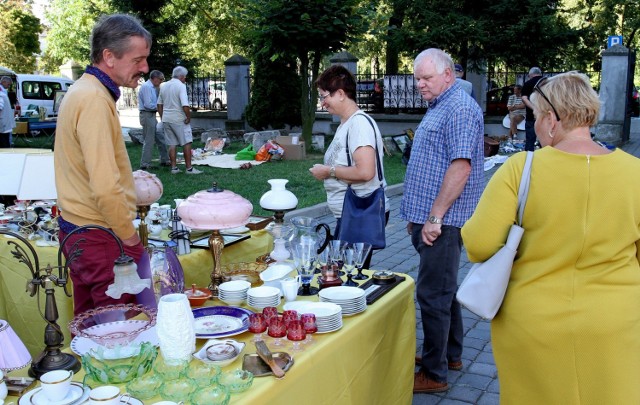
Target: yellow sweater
(93, 172)
(568, 331)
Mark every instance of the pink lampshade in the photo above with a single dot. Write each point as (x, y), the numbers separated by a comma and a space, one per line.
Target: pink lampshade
(148, 187)
(13, 353)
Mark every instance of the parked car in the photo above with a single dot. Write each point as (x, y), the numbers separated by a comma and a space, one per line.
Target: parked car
(497, 100)
(40, 91)
(218, 95)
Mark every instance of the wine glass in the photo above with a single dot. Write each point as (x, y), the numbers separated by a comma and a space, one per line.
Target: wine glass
(304, 256)
(310, 326)
(257, 325)
(348, 257)
(296, 334)
(289, 315)
(323, 261)
(269, 313)
(277, 330)
(362, 250)
(335, 255)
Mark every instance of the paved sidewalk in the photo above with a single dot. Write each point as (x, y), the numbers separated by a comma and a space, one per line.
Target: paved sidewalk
(477, 382)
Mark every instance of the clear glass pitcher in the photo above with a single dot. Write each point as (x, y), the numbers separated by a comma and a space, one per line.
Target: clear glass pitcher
(310, 230)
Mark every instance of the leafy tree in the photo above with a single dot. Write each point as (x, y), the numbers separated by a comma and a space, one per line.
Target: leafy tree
(20, 28)
(307, 30)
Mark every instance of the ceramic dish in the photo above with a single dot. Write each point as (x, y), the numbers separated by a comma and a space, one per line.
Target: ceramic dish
(217, 322)
(81, 345)
(129, 400)
(36, 397)
(204, 356)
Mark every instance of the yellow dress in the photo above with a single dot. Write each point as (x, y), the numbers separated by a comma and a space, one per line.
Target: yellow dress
(568, 331)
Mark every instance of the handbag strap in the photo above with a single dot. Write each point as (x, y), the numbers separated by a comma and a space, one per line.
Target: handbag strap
(523, 191)
(375, 136)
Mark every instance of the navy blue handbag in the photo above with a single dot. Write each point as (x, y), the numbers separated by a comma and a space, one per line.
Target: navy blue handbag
(363, 218)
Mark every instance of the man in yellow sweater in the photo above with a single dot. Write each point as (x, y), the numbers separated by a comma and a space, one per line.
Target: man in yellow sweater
(93, 172)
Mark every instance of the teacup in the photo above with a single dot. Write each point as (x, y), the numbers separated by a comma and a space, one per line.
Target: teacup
(56, 384)
(290, 288)
(105, 395)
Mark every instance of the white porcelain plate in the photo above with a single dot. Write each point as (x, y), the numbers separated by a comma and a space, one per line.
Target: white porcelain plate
(127, 400)
(81, 345)
(319, 309)
(341, 293)
(77, 395)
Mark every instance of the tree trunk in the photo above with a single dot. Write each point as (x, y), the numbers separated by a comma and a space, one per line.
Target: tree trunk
(307, 108)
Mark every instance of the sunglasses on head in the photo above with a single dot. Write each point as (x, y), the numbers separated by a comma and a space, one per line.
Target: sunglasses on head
(537, 88)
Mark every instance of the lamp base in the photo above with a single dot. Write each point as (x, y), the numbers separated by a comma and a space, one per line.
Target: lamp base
(50, 362)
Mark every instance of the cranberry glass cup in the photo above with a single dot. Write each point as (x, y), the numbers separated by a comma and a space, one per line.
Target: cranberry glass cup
(296, 334)
(310, 326)
(289, 315)
(269, 313)
(277, 330)
(257, 325)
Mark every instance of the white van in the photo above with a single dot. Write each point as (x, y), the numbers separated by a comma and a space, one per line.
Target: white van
(40, 91)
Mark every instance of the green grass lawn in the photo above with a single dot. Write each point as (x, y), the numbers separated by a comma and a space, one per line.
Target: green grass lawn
(251, 184)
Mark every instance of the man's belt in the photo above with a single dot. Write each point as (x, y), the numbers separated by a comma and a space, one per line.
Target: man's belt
(149, 111)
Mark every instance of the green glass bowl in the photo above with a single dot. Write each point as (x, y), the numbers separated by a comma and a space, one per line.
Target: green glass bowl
(203, 374)
(236, 380)
(108, 371)
(178, 390)
(144, 387)
(170, 371)
(212, 395)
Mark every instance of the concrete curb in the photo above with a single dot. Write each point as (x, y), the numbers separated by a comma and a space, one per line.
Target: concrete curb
(322, 209)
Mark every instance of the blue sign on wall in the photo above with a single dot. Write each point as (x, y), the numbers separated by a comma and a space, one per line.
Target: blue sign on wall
(614, 40)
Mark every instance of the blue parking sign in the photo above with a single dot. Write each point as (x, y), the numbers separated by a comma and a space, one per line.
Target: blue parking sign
(614, 40)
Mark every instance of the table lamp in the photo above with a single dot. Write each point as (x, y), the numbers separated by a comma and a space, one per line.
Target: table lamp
(279, 200)
(215, 209)
(48, 278)
(148, 190)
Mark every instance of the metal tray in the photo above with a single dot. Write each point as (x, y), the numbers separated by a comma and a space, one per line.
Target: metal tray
(253, 363)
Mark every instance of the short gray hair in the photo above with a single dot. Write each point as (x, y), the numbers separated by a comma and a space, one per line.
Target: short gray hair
(440, 58)
(179, 71)
(535, 71)
(6, 79)
(156, 74)
(113, 32)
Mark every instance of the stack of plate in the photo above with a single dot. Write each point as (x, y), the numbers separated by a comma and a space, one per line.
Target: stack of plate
(328, 315)
(352, 299)
(233, 292)
(262, 297)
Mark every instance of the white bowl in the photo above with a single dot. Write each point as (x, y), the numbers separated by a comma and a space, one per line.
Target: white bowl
(235, 285)
(202, 353)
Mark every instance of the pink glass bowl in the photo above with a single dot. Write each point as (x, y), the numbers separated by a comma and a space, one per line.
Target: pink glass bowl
(113, 325)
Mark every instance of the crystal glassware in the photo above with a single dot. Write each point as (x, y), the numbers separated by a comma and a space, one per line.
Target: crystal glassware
(257, 325)
(362, 250)
(310, 326)
(304, 256)
(348, 257)
(269, 313)
(335, 255)
(277, 330)
(289, 315)
(296, 333)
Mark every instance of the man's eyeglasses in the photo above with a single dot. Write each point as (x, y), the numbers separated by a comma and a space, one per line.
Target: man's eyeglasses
(537, 88)
(323, 97)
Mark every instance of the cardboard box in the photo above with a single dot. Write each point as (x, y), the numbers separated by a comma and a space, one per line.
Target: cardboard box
(292, 151)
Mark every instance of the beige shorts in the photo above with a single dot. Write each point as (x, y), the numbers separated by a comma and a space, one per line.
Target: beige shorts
(177, 134)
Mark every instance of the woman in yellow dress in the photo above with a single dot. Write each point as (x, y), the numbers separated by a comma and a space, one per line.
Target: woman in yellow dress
(568, 331)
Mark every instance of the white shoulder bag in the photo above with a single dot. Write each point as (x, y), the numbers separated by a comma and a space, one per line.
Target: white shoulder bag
(483, 289)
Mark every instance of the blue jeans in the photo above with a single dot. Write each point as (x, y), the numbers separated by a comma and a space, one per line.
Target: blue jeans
(436, 288)
(530, 135)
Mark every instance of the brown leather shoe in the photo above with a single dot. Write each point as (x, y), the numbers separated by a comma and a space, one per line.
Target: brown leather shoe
(422, 383)
(453, 365)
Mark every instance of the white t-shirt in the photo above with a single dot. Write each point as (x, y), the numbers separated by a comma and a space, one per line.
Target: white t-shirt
(173, 96)
(360, 133)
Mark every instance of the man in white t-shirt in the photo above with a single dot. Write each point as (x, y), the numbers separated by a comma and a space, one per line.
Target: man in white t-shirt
(173, 107)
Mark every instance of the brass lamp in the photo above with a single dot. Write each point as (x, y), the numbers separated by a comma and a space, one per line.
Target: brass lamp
(215, 209)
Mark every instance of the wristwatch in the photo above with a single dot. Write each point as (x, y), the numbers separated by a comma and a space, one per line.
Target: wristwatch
(332, 172)
(434, 219)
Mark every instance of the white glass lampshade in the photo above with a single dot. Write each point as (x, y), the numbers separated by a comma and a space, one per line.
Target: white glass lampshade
(13, 353)
(126, 279)
(278, 198)
(148, 187)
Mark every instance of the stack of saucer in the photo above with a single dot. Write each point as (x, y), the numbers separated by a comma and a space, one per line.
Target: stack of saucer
(352, 299)
(233, 292)
(262, 297)
(328, 315)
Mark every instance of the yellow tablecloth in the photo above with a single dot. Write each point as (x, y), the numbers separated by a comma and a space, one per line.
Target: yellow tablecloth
(369, 361)
(21, 310)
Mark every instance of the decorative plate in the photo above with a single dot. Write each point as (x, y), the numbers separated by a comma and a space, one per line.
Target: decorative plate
(81, 345)
(221, 321)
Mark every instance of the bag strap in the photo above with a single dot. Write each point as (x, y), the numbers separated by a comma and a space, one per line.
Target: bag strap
(375, 137)
(523, 191)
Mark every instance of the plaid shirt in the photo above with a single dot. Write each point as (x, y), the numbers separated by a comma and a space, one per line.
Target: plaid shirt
(452, 128)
